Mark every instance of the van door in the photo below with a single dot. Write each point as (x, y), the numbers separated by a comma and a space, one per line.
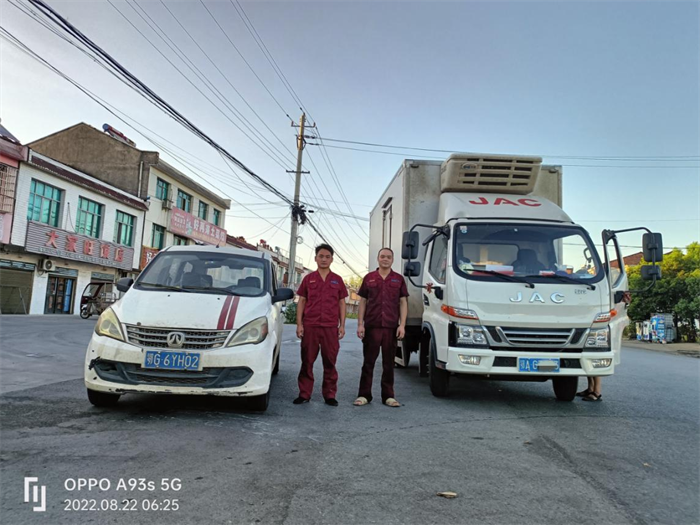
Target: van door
(617, 276)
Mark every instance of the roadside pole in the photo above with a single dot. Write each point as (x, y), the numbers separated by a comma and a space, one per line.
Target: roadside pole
(295, 207)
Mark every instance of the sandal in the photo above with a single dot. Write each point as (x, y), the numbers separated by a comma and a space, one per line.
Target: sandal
(391, 402)
(583, 393)
(593, 397)
(361, 401)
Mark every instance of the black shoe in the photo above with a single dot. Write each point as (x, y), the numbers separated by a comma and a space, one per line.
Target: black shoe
(332, 402)
(299, 400)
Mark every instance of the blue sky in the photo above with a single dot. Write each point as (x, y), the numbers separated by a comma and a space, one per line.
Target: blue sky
(555, 79)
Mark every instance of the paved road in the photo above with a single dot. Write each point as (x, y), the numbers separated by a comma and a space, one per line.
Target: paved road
(511, 452)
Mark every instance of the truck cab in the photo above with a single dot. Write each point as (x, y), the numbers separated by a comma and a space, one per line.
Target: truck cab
(508, 285)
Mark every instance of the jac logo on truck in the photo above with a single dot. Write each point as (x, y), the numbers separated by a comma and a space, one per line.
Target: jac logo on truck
(556, 297)
(501, 201)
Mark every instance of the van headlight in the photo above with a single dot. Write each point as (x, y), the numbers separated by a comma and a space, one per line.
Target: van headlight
(250, 334)
(466, 335)
(108, 325)
(598, 338)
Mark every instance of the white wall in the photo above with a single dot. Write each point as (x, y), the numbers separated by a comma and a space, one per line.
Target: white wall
(68, 213)
(157, 215)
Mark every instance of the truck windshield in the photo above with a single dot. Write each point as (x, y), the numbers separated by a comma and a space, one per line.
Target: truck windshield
(205, 272)
(538, 252)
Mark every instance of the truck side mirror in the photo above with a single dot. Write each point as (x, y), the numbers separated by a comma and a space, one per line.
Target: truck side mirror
(651, 272)
(124, 284)
(409, 245)
(653, 247)
(411, 269)
(283, 294)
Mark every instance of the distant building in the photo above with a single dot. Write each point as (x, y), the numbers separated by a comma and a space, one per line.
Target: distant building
(180, 210)
(630, 260)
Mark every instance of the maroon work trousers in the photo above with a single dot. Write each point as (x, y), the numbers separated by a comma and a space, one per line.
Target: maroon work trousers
(376, 338)
(325, 339)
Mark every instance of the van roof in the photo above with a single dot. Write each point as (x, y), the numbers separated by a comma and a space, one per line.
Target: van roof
(222, 249)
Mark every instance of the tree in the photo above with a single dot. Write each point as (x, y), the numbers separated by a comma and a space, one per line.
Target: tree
(678, 291)
(354, 282)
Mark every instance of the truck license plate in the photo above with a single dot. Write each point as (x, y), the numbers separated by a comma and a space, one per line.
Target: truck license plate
(538, 364)
(172, 360)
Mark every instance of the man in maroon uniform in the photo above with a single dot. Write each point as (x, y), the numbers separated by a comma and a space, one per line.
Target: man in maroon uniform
(381, 321)
(320, 324)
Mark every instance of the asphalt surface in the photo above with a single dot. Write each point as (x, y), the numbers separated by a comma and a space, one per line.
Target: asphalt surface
(510, 451)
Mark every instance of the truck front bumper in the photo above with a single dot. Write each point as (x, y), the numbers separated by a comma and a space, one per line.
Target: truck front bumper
(116, 367)
(506, 362)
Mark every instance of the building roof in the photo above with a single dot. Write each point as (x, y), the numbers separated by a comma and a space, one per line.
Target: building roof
(83, 179)
(6, 135)
(240, 242)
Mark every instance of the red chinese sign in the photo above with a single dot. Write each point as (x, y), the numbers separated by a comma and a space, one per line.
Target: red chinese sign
(147, 255)
(186, 224)
(53, 242)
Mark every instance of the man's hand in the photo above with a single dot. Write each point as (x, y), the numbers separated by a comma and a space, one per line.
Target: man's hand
(400, 332)
(341, 332)
(300, 331)
(361, 332)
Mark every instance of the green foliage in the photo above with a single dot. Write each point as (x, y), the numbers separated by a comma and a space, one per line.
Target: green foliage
(678, 292)
(354, 282)
(290, 314)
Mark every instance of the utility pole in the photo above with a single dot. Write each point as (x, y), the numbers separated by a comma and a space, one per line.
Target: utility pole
(297, 211)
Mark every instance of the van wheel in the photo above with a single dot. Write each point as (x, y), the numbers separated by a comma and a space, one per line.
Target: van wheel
(439, 379)
(259, 403)
(276, 368)
(565, 388)
(102, 399)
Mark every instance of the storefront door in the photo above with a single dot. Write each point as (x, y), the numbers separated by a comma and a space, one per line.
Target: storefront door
(59, 295)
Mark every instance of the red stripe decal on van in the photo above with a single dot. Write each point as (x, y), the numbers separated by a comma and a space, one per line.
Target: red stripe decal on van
(224, 313)
(232, 313)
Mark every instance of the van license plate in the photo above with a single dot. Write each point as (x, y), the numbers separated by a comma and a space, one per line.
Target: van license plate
(172, 360)
(538, 364)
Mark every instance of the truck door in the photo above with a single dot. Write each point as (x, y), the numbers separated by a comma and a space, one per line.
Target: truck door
(617, 276)
(436, 273)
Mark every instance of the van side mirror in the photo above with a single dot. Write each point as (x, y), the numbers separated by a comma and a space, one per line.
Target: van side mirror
(651, 272)
(283, 294)
(124, 284)
(409, 245)
(411, 269)
(653, 247)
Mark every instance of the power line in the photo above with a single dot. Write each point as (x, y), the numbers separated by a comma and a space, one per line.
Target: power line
(598, 157)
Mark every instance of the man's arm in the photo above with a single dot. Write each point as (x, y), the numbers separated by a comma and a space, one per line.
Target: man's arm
(403, 313)
(361, 318)
(300, 315)
(341, 328)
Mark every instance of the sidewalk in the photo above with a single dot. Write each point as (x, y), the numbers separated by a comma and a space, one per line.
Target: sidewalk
(689, 349)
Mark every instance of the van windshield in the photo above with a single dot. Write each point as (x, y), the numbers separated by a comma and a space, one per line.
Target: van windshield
(538, 252)
(205, 272)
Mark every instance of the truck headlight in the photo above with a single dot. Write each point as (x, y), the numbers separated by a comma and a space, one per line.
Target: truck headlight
(108, 325)
(251, 333)
(598, 338)
(465, 335)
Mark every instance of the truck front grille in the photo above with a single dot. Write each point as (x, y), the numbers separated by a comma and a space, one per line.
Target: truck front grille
(156, 337)
(539, 337)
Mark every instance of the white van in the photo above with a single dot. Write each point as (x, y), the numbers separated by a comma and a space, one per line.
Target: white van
(198, 320)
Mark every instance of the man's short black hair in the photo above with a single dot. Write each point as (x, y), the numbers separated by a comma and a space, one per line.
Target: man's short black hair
(385, 248)
(325, 246)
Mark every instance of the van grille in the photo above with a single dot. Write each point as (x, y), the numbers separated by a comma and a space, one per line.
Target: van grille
(536, 337)
(157, 337)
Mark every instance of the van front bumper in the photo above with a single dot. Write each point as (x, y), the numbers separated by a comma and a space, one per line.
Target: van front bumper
(116, 367)
(500, 362)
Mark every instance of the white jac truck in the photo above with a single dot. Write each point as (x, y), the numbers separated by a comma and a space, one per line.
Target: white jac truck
(502, 283)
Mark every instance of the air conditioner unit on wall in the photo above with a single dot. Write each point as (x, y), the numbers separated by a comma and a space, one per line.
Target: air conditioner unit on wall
(167, 204)
(47, 265)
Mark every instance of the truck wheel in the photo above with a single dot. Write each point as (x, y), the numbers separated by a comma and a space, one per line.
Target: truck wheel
(565, 388)
(102, 399)
(259, 403)
(276, 368)
(439, 379)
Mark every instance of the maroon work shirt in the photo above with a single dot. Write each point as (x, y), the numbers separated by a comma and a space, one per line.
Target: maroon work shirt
(382, 299)
(322, 299)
